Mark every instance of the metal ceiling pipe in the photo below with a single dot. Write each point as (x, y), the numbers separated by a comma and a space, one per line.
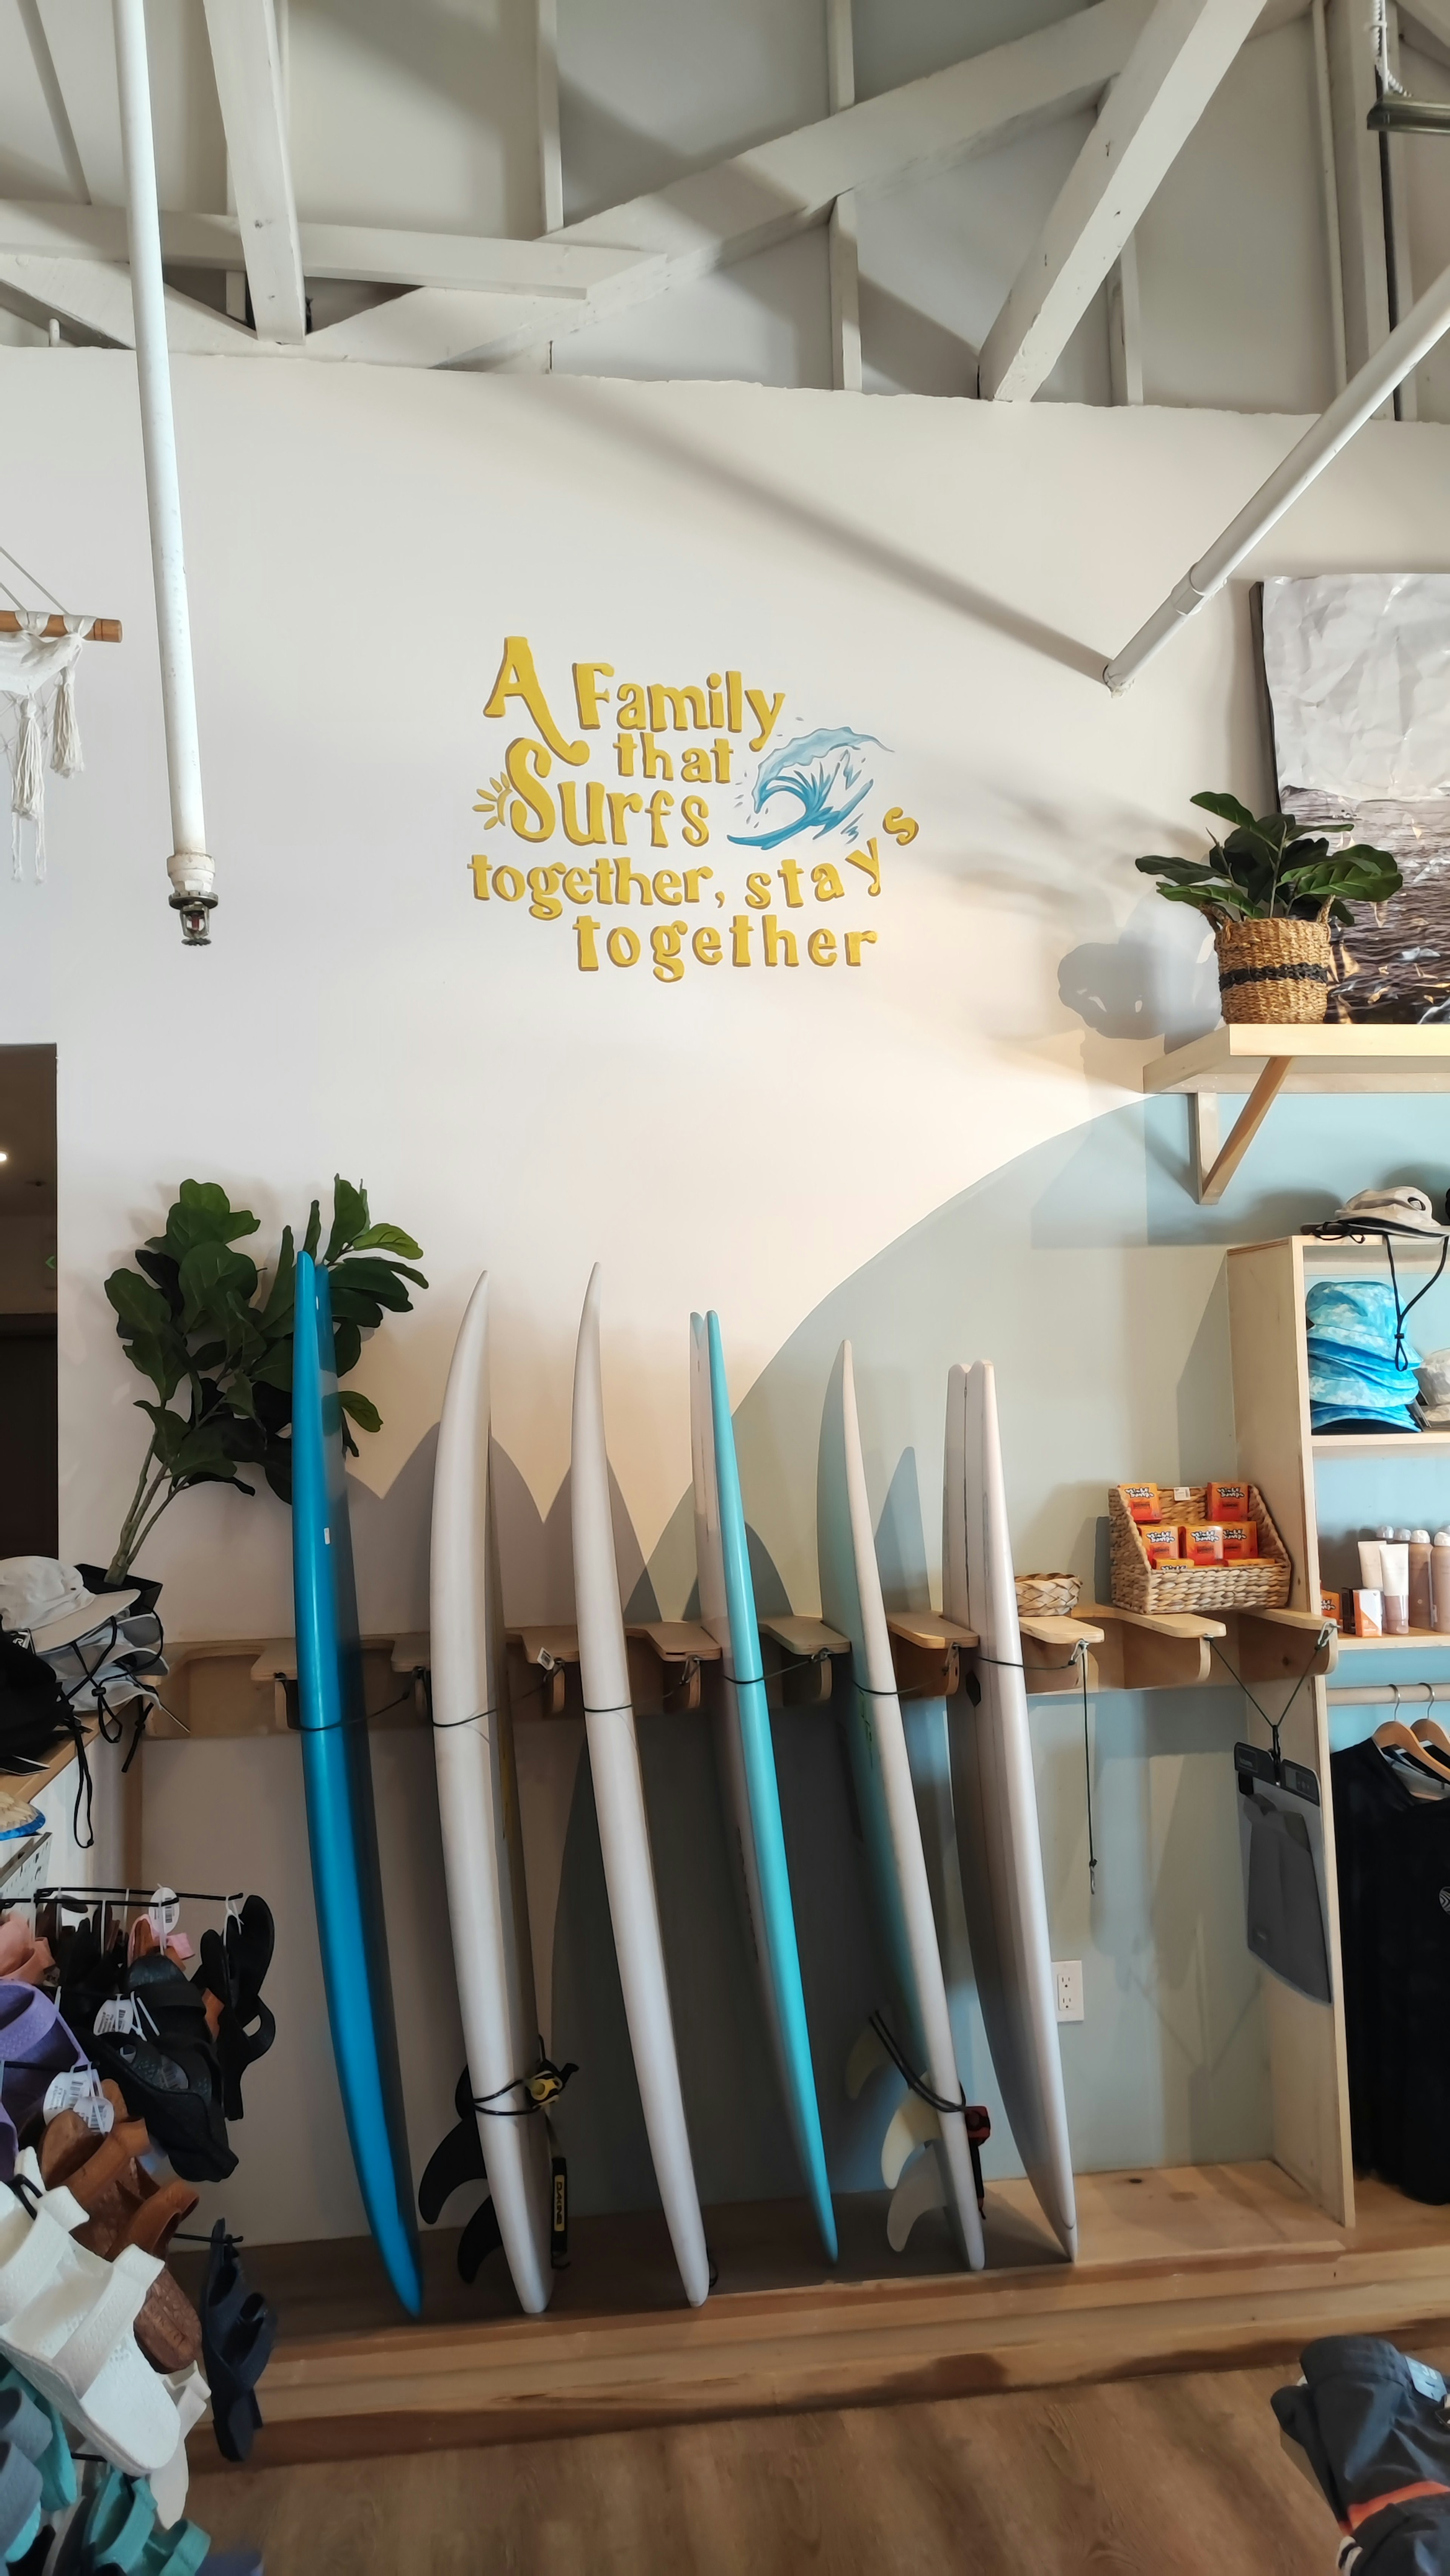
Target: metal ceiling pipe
(1425, 323)
(190, 869)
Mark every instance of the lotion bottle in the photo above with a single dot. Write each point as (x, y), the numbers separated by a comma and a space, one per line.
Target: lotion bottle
(1422, 1605)
(1440, 1581)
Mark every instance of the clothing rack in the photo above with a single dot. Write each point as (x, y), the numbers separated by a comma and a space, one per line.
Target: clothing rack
(1391, 1695)
(133, 1896)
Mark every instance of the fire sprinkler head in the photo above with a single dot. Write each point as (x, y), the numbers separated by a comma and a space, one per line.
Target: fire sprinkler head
(195, 911)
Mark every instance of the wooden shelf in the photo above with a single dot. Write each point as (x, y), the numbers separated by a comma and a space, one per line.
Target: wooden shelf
(1415, 1641)
(1264, 1060)
(1182, 2267)
(926, 1653)
(1340, 1444)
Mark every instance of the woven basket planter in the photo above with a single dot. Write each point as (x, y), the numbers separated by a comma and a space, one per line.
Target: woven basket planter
(1047, 1596)
(1274, 970)
(1254, 1583)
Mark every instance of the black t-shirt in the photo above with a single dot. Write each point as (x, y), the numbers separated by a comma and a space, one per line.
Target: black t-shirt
(1393, 1852)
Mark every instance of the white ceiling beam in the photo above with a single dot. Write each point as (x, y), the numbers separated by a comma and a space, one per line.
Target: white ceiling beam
(372, 255)
(438, 327)
(248, 69)
(546, 88)
(763, 196)
(1167, 82)
(1358, 182)
(844, 262)
(98, 297)
(1125, 327)
(55, 106)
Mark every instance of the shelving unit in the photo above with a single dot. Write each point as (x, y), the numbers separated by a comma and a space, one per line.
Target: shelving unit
(1269, 1059)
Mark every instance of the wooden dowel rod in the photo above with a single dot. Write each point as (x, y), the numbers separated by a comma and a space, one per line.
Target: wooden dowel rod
(104, 630)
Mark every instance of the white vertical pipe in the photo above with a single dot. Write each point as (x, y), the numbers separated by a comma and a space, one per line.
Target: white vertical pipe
(190, 868)
(1425, 325)
(1329, 187)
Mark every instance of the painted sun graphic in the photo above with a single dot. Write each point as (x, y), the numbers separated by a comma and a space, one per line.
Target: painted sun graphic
(491, 802)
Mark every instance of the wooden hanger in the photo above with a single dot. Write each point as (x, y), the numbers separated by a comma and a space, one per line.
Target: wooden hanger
(1395, 1737)
(1432, 1733)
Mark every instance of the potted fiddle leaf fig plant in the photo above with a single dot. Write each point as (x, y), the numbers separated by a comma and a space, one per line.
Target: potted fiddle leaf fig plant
(1271, 889)
(213, 1335)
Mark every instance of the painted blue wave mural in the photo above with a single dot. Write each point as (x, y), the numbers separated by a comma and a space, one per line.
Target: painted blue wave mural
(824, 775)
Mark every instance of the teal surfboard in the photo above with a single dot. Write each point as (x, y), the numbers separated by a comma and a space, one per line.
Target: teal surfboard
(727, 1609)
(338, 1779)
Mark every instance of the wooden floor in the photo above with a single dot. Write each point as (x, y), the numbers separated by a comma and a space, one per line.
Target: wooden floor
(1170, 2476)
(1206, 2267)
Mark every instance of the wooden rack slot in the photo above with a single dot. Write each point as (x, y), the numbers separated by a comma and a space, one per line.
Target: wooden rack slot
(1049, 1661)
(1148, 1649)
(1279, 1645)
(926, 1653)
(668, 1659)
(798, 1655)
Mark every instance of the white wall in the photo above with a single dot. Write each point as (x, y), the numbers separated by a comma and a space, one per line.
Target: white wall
(929, 1153)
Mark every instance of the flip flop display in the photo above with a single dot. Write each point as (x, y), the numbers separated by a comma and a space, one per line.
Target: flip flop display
(238, 2330)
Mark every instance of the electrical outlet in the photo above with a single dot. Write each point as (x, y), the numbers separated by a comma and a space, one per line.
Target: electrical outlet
(1067, 1987)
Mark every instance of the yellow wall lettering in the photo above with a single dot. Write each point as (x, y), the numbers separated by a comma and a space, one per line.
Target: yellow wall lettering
(734, 711)
(706, 945)
(696, 764)
(579, 885)
(625, 879)
(619, 806)
(527, 763)
(692, 882)
(624, 756)
(660, 804)
(899, 825)
(657, 763)
(593, 812)
(821, 948)
(870, 866)
(584, 931)
(629, 712)
(757, 891)
(668, 887)
(677, 700)
(695, 815)
(721, 750)
(740, 939)
(604, 879)
(479, 865)
(765, 715)
(517, 678)
(544, 887)
(622, 947)
(508, 885)
(717, 703)
(855, 942)
(664, 941)
(777, 940)
(827, 883)
(790, 877)
(588, 695)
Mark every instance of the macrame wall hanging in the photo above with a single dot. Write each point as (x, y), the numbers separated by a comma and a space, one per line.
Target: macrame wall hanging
(39, 651)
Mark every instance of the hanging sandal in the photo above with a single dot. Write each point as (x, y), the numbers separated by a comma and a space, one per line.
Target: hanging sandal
(19, 2500)
(66, 2323)
(238, 2331)
(191, 2398)
(233, 1965)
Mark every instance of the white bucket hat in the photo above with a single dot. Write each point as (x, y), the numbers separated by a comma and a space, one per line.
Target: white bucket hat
(51, 1604)
(1405, 1210)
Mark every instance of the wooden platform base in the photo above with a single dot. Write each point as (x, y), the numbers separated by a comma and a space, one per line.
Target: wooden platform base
(1204, 2267)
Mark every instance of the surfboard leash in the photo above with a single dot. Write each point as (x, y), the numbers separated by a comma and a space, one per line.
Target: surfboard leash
(976, 2115)
(1006, 1664)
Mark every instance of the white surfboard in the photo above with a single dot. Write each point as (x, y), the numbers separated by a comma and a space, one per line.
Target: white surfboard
(479, 1811)
(994, 1795)
(851, 1601)
(623, 1828)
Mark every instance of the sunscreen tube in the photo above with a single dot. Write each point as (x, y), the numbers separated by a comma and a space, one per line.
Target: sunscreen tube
(1395, 1580)
(1440, 1580)
(1369, 1612)
(1369, 1564)
(1422, 1606)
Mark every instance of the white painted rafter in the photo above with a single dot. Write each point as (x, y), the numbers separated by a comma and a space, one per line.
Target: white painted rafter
(248, 69)
(845, 275)
(766, 195)
(1167, 82)
(97, 295)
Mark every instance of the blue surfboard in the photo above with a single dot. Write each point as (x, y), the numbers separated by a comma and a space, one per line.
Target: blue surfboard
(727, 1609)
(337, 1775)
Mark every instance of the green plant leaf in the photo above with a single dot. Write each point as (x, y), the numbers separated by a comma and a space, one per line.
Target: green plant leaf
(203, 1214)
(276, 1368)
(355, 1305)
(1177, 871)
(160, 1267)
(161, 1357)
(361, 1407)
(346, 1346)
(210, 1275)
(368, 1277)
(139, 1307)
(281, 1301)
(391, 1238)
(350, 1217)
(1227, 808)
(313, 1236)
(169, 1433)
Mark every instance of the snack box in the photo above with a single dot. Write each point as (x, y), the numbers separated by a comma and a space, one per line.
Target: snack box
(1240, 1539)
(1142, 1501)
(1369, 1613)
(1332, 1606)
(1228, 1503)
(1161, 1542)
(1203, 1542)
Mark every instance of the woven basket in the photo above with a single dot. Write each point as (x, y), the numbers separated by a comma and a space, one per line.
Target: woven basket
(1047, 1596)
(1274, 970)
(1253, 1583)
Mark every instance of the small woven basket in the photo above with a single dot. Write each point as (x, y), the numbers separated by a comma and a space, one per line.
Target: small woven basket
(1047, 1596)
(1252, 1583)
(1277, 970)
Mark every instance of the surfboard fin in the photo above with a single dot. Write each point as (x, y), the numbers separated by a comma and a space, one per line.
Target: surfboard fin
(914, 2124)
(863, 2061)
(479, 2238)
(457, 2160)
(922, 2189)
